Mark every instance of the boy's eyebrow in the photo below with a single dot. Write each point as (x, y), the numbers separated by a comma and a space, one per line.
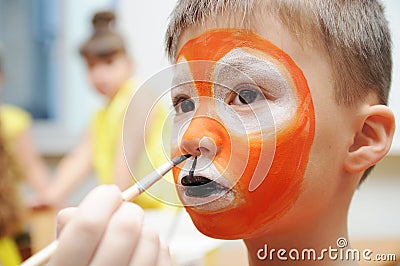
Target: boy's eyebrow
(236, 65)
(241, 60)
(241, 65)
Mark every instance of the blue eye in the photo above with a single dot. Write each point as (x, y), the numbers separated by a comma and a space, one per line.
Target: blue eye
(183, 105)
(247, 96)
(187, 106)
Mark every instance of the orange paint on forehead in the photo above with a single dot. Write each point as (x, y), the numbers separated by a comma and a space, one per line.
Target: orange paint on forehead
(282, 185)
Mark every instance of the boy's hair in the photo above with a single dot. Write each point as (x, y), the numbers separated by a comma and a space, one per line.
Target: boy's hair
(354, 34)
(105, 41)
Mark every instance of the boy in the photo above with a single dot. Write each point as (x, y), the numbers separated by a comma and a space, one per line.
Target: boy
(283, 106)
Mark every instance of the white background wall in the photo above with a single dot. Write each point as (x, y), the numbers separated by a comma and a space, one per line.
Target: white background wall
(144, 23)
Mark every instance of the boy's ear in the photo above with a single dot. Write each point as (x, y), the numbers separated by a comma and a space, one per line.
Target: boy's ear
(372, 141)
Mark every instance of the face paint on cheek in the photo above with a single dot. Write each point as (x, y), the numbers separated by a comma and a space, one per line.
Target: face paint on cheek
(261, 194)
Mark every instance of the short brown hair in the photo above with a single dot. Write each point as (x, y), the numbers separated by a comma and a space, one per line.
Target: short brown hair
(354, 34)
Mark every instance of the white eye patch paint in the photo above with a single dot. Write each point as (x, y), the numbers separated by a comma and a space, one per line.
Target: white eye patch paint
(182, 86)
(239, 69)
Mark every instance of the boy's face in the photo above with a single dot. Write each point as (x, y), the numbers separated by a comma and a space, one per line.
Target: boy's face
(244, 105)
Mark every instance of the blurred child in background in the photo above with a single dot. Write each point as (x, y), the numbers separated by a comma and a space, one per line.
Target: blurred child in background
(110, 72)
(19, 160)
(11, 207)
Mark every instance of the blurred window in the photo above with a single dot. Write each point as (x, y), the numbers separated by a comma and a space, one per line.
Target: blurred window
(28, 32)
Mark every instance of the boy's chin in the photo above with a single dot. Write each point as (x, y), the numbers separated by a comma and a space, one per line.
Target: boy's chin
(230, 224)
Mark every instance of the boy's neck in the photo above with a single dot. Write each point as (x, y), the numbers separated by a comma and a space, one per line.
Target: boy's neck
(322, 233)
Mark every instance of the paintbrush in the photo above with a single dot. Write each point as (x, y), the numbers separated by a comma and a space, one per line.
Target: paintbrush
(128, 195)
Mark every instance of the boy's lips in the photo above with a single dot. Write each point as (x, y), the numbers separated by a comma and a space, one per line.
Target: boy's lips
(204, 174)
(200, 186)
(205, 190)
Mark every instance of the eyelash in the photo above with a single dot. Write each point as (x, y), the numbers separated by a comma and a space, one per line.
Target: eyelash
(252, 87)
(176, 100)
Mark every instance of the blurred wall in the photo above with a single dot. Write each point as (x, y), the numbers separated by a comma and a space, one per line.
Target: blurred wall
(144, 24)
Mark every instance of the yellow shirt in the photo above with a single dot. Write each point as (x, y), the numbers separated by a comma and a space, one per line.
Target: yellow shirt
(13, 121)
(107, 128)
(9, 254)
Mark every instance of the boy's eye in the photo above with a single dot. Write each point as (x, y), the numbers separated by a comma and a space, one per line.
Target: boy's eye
(246, 96)
(184, 105)
(187, 106)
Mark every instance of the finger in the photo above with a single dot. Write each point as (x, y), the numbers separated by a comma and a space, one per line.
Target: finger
(121, 236)
(63, 217)
(165, 257)
(147, 250)
(81, 236)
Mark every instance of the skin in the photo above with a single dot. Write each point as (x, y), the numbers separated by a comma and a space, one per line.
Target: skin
(109, 73)
(103, 222)
(336, 161)
(38, 175)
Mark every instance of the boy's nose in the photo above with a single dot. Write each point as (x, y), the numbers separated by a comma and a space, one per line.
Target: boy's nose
(204, 136)
(204, 146)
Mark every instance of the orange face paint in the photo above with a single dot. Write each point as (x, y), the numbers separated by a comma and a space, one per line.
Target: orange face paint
(261, 148)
